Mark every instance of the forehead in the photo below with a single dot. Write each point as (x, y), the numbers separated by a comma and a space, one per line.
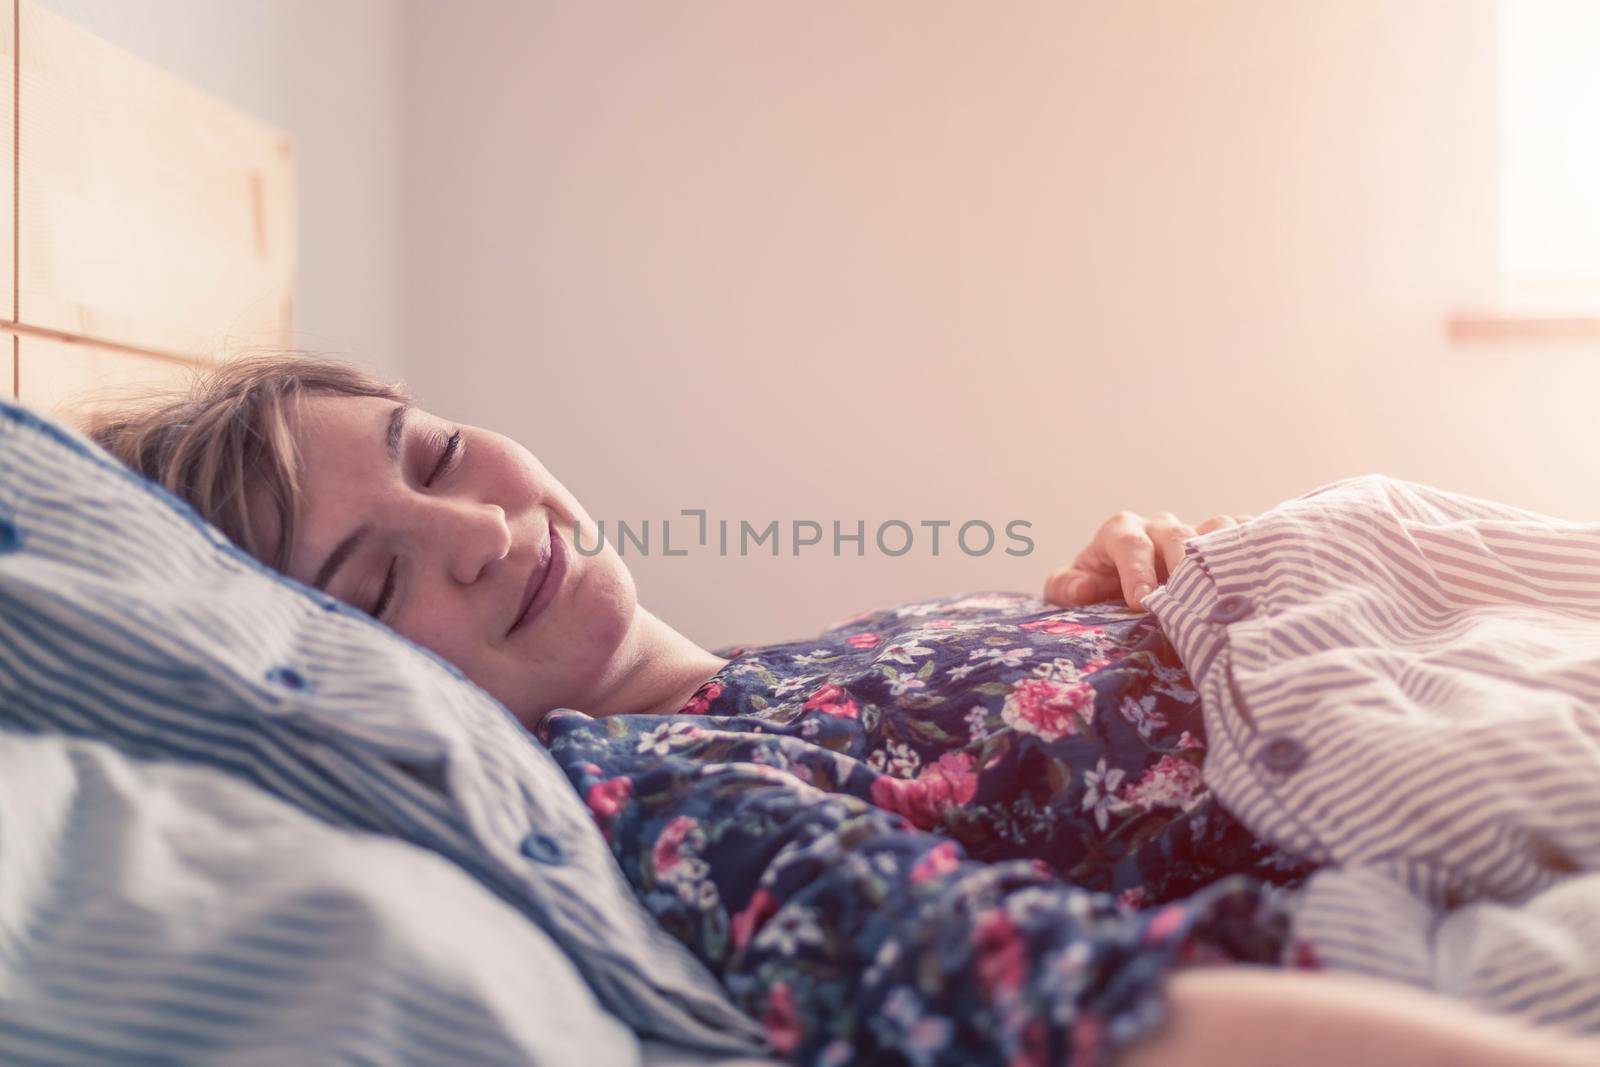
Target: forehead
(321, 416)
(341, 449)
(338, 438)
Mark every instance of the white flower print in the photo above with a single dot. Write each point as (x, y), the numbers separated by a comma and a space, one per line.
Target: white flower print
(1143, 714)
(904, 652)
(793, 927)
(1011, 657)
(922, 1036)
(956, 674)
(1171, 783)
(899, 683)
(903, 760)
(978, 722)
(1099, 789)
(799, 683)
(885, 865)
(1167, 675)
(1064, 975)
(888, 955)
(1059, 669)
(689, 881)
(663, 739)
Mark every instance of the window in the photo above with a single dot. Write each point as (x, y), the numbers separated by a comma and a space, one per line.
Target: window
(1550, 153)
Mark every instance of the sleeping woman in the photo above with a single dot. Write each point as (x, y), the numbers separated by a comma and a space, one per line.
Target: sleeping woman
(975, 829)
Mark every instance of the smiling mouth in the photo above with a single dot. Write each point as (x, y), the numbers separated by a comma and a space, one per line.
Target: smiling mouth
(543, 583)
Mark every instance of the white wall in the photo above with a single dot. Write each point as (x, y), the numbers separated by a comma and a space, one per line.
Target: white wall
(957, 260)
(328, 74)
(953, 260)
(908, 260)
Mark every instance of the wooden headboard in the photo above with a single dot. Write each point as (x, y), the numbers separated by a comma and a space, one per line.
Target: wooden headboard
(152, 225)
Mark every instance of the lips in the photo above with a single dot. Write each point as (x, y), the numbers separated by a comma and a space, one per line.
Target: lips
(543, 583)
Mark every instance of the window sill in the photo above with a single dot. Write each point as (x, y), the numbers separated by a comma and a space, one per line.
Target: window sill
(1498, 327)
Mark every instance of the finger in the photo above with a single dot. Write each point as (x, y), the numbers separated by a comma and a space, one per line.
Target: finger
(1169, 533)
(1070, 586)
(1096, 588)
(1134, 554)
(1095, 577)
(1059, 587)
(1243, 518)
(1216, 522)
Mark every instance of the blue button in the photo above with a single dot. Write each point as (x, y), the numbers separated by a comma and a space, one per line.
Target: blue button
(1281, 754)
(10, 536)
(542, 847)
(1231, 608)
(287, 677)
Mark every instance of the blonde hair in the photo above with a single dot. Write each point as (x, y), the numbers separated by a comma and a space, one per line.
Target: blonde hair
(226, 443)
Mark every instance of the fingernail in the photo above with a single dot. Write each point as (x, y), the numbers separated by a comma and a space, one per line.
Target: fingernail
(1141, 591)
(1079, 588)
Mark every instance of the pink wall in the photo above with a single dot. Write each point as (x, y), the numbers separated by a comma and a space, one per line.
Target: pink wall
(958, 260)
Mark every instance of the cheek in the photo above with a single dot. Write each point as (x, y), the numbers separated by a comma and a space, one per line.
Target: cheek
(439, 623)
(443, 641)
(611, 601)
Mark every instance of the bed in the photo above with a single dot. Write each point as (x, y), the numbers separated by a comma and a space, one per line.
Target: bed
(152, 675)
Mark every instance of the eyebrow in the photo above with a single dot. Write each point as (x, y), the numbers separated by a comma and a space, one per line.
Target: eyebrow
(393, 435)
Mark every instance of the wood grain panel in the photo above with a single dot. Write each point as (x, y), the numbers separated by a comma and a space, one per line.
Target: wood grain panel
(8, 157)
(151, 214)
(73, 379)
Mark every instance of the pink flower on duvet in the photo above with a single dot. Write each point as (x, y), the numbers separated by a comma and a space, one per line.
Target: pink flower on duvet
(781, 1020)
(1164, 924)
(763, 905)
(668, 852)
(949, 781)
(1171, 783)
(862, 640)
(999, 954)
(833, 700)
(702, 699)
(940, 859)
(1048, 708)
(605, 800)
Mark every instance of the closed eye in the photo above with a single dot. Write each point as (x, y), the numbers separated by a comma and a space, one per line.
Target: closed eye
(452, 445)
(386, 595)
(447, 452)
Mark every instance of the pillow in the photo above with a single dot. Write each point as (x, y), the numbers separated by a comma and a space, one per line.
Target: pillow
(128, 619)
(161, 912)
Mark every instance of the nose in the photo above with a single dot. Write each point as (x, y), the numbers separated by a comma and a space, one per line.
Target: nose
(470, 536)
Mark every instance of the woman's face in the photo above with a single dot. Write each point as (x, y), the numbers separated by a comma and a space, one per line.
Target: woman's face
(443, 549)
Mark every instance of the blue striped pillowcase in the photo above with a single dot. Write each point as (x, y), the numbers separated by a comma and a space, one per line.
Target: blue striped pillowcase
(126, 618)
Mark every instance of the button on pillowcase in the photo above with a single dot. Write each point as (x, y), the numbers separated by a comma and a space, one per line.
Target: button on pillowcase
(129, 619)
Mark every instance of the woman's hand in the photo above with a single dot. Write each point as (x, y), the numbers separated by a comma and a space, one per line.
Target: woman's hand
(1131, 554)
(1243, 1015)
